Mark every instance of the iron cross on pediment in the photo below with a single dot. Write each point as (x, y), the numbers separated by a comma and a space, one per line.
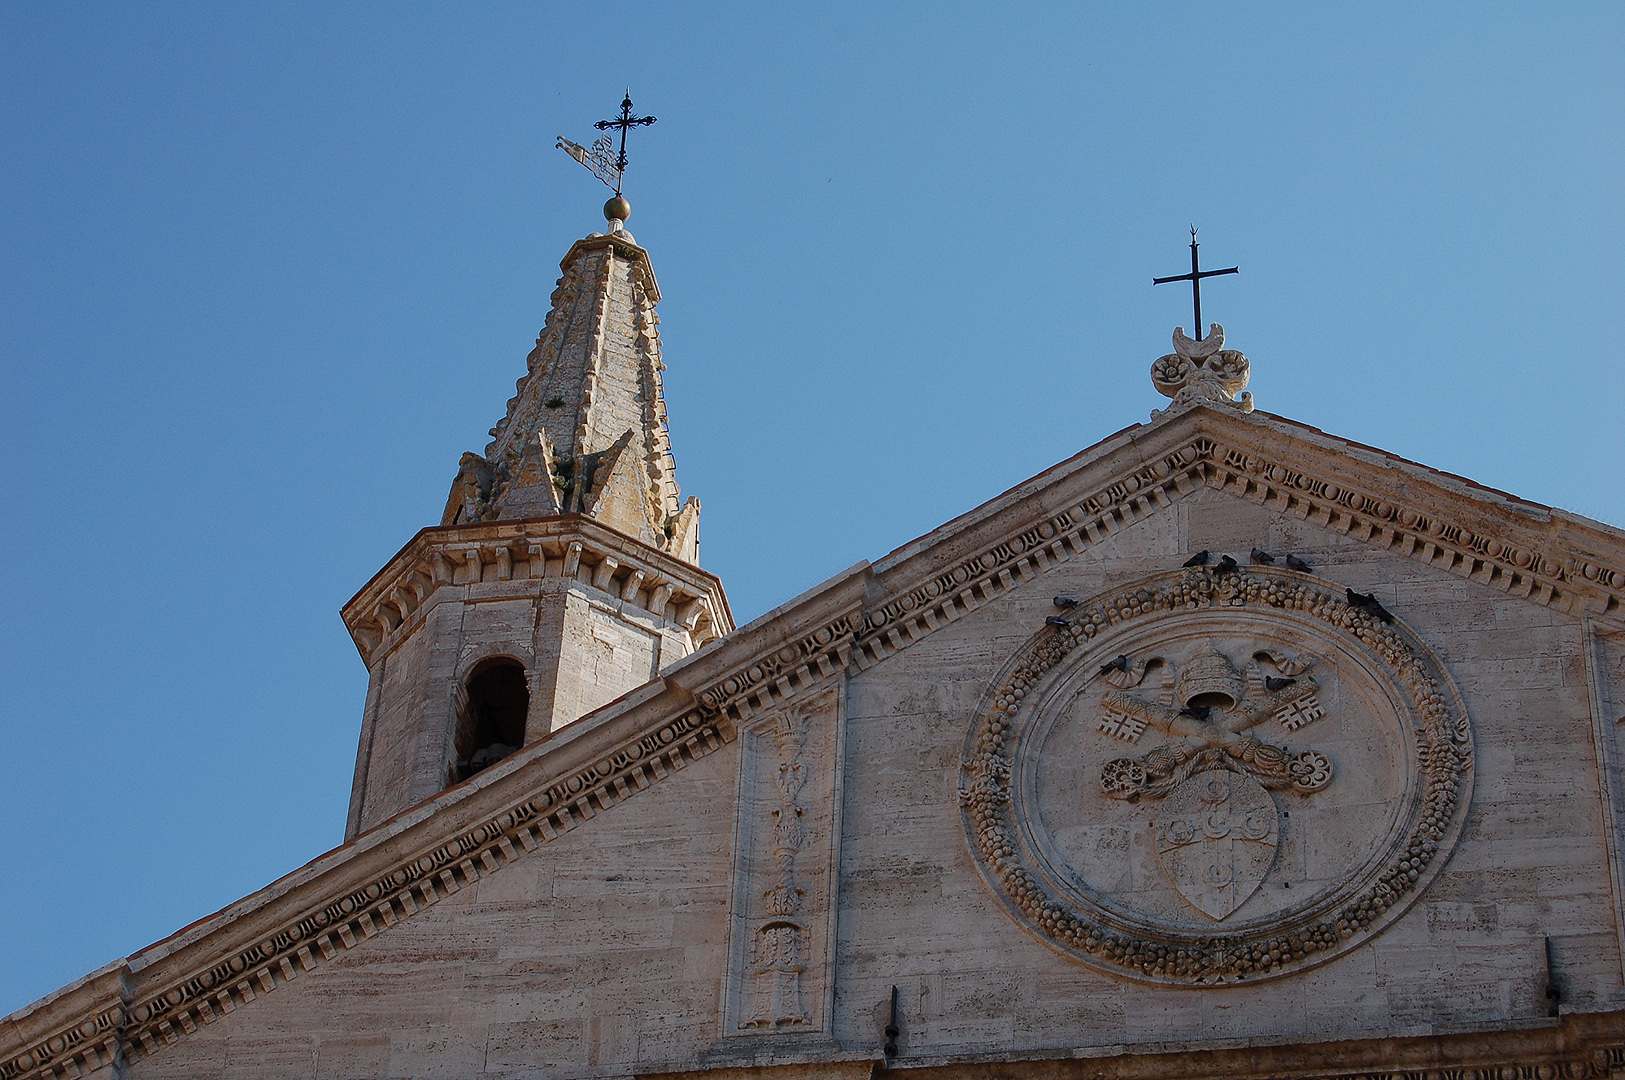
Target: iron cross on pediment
(1195, 278)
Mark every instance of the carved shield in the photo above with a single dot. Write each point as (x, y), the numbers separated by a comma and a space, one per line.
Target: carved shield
(1216, 837)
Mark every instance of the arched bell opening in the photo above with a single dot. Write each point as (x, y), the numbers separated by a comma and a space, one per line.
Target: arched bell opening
(491, 721)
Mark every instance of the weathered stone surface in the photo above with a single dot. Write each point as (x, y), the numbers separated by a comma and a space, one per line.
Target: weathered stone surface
(586, 431)
(727, 870)
(590, 614)
(563, 549)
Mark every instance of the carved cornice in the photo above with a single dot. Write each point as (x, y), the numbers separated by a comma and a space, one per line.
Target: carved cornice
(859, 619)
(74, 1030)
(781, 674)
(325, 922)
(1430, 527)
(390, 606)
(1520, 548)
(1579, 1046)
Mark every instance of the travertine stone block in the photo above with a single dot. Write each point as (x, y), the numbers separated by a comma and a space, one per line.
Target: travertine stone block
(1091, 811)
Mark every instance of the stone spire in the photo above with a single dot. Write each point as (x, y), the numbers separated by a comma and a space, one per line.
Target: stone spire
(586, 432)
(564, 573)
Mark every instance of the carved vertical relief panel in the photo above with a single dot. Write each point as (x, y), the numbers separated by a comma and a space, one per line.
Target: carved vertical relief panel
(1604, 659)
(780, 977)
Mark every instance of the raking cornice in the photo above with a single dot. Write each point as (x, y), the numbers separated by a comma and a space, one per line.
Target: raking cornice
(1544, 555)
(851, 622)
(226, 961)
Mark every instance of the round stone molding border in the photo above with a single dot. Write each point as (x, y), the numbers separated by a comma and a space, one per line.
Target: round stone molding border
(1124, 945)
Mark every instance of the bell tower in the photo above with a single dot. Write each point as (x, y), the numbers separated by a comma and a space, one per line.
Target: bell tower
(565, 570)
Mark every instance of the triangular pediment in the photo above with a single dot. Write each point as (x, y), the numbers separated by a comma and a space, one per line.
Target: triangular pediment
(853, 622)
(1551, 556)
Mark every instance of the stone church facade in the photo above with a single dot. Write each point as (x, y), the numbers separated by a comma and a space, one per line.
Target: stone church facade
(1226, 747)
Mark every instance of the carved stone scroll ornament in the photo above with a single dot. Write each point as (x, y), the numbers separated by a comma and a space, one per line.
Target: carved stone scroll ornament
(1203, 371)
(1186, 864)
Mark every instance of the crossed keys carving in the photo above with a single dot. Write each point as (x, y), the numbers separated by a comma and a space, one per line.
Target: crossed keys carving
(1218, 828)
(1217, 707)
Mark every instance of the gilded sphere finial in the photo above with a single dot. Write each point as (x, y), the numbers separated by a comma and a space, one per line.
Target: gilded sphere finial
(617, 209)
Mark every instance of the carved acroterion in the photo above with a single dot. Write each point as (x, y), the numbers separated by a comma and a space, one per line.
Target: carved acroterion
(1203, 371)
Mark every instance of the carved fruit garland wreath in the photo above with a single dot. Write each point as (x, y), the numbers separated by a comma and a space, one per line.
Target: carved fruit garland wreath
(1089, 927)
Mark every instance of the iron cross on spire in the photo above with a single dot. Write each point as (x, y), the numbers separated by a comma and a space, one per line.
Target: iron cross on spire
(1195, 278)
(625, 121)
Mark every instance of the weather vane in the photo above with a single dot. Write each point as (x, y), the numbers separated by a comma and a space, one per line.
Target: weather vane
(1195, 278)
(597, 158)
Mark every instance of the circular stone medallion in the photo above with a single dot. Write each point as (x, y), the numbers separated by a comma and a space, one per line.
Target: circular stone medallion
(1210, 778)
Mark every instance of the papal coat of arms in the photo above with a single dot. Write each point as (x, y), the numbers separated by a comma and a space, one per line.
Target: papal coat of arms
(1206, 778)
(1217, 828)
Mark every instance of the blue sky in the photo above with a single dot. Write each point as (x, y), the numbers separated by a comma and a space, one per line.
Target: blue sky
(268, 271)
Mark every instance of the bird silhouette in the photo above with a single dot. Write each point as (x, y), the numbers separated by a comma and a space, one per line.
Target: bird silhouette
(1369, 604)
(1065, 602)
(1227, 565)
(1262, 556)
(1272, 683)
(1056, 620)
(1120, 664)
(1199, 559)
(1196, 712)
(1295, 563)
